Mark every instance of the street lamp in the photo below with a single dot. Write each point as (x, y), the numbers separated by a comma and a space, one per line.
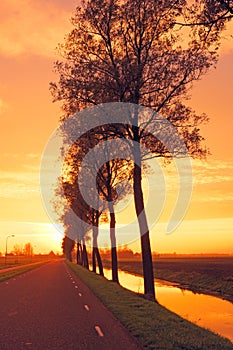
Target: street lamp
(6, 246)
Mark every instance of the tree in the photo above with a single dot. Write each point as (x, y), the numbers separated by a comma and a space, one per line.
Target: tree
(110, 183)
(67, 247)
(95, 249)
(112, 187)
(28, 249)
(17, 250)
(72, 232)
(75, 203)
(144, 52)
(211, 13)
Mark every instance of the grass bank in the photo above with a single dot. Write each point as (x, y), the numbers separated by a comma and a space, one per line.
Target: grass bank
(153, 325)
(213, 276)
(15, 272)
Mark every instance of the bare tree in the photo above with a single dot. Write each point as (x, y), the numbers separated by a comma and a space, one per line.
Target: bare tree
(72, 231)
(144, 52)
(110, 186)
(112, 183)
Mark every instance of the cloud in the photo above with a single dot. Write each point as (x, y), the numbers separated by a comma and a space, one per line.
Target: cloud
(33, 27)
(18, 185)
(33, 155)
(213, 171)
(3, 106)
(22, 180)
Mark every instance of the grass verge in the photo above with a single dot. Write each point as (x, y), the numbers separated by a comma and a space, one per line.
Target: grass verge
(153, 325)
(12, 273)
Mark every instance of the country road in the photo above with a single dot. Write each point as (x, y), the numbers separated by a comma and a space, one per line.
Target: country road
(49, 308)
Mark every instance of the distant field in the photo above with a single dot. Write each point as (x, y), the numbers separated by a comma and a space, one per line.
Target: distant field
(17, 265)
(202, 274)
(20, 260)
(216, 267)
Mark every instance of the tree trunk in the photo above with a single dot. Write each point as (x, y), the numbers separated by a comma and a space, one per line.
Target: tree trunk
(113, 244)
(149, 289)
(148, 274)
(69, 256)
(78, 255)
(96, 256)
(99, 261)
(94, 241)
(85, 257)
(81, 253)
(93, 259)
(96, 252)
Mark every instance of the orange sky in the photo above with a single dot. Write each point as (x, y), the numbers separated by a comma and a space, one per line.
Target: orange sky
(28, 37)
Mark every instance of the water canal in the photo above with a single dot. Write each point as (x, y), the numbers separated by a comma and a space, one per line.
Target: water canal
(204, 310)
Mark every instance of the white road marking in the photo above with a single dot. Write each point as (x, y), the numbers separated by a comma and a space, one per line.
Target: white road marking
(76, 287)
(80, 294)
(86, 307)
(99, 331)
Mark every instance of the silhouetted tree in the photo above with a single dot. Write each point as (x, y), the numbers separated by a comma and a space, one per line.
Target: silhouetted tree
(28, 249)
(145, 52)
(108, 176)
(95, 250)
(67, 247)
(76, 204)
(17, 250)
(76, 233)
(109, 183)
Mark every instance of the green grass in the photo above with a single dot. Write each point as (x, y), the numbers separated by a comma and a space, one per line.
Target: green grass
(5, 267)
(200, 283)
(153, 325)
(12, 273)
(13, 260)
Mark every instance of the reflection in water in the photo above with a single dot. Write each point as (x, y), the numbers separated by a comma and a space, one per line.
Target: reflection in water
(206, 311)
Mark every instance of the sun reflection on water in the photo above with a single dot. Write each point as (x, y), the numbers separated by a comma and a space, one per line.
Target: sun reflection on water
(204, 310)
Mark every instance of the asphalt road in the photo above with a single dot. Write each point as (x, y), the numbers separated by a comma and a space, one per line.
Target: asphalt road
(49, 308)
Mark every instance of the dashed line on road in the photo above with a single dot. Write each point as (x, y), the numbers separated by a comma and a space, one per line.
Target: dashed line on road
(28, 343)
(80, 294)
(99, 331)
(76, 287)
(86, 307)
